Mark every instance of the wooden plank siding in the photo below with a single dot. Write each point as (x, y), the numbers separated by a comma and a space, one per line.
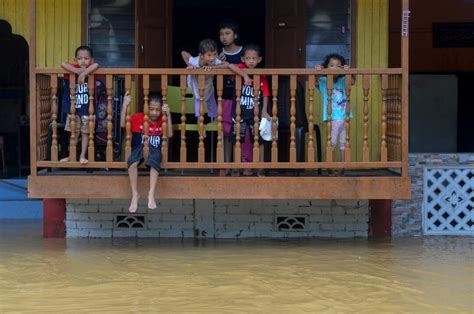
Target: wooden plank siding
(58, 27)
(371, 51)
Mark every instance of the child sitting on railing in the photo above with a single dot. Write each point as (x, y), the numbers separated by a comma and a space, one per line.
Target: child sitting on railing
(155, 133)
(339, 100)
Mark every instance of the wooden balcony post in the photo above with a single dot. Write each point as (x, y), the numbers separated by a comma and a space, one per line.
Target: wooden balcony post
(202, 134)
(32, 87)
(329, 154)
(405, 78)
(274, 117)
(347, 124)
(383, 149)
(109, 155)
(238, 93)
(146, 110)
(256, 93)
(54, 117)
(365, 146)
(220, 87)
(183, 152)
(128, 127)
(292, 118)
(91, 148)
(72, 123)
(311, 86)
(164, 143)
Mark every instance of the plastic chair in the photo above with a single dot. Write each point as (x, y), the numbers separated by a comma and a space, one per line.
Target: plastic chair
(173, 98)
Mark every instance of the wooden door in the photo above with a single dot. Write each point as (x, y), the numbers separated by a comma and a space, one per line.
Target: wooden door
(285, 33)
(154, 38)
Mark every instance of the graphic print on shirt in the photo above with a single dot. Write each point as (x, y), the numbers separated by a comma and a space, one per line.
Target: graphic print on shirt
(82, 96)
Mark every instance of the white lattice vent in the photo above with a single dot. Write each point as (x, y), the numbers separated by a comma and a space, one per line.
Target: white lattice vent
(448, 200)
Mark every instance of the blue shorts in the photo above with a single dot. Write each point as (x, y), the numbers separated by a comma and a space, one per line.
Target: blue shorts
(154, 157)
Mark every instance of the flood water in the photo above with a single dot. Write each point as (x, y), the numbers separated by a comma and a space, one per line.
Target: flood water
(430, 274)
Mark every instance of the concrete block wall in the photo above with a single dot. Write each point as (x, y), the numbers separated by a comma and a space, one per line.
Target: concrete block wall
(220, 218)
(406, 215)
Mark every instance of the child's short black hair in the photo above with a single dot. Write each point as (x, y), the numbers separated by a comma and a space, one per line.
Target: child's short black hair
(207, 45)
(86, 48)
(230, 25)
(333, 56)
(156, 97)
(252, 47)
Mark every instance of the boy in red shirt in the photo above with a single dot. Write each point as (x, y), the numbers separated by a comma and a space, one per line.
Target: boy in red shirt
(155, 133)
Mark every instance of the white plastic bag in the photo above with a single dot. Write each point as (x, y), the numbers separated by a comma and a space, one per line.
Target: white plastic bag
(265, 129)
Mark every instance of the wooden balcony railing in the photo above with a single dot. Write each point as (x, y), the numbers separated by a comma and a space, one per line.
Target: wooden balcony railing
(390, 120)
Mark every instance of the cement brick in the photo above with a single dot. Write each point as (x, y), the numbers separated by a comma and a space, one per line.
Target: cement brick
(357, 227)
(78, 201)
(230, 235)
(112, 208)
(102, 216)
(184, 225)
(175, 217)
(176, 234)
(124, 233)
(99, 233)
(234, 218)
(344, 234)
(226, 202)
(344, 219)
(264, 218)
(86, 208)
(263, 226)
(81, 224)
(361, 234)
(220, 209)
(70, 224)
(101, 201)
(320, 203)
(77, 216)
(160, 225)
(240, 210)
(233, 227)
(182, 210)
(347, 203)
(320, 218)
(77, 233)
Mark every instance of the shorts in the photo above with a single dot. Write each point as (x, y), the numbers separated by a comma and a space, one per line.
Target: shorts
(82, 124)
(338, 131)
(244, 125)
(154, 157)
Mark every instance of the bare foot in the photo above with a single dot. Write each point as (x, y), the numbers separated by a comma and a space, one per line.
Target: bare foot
(64, 159)
(83, 161)
(134, 203)
(151, 201)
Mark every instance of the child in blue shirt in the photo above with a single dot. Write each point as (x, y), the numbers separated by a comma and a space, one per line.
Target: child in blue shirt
(339, 100)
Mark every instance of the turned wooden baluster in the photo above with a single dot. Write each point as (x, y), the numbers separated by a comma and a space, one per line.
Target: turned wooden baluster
(383, 149)
(164, 126)
(220, 86)
(256, 92)
(347, 124)
(72, 121)
(183, 152)
(274, 117)
(292, 118)
(311, 86)
(91, 148)
(146, 110)
(238, 93)
(365, 145)
(399, 117)
(128, 126)
(201, 150)
(54, 117)
(329, 154)
(389, 119)
(109, 155)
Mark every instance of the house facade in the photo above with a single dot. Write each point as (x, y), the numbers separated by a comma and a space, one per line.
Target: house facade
(295, 36)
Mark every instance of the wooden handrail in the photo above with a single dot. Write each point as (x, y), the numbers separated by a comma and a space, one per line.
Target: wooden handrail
(174, 71)
(391, 127)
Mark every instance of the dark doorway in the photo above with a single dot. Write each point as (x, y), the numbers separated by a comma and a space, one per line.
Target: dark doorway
(197, 20)
(14, 129)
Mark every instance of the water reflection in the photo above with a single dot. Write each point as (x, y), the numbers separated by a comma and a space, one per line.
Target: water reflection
(414, 274)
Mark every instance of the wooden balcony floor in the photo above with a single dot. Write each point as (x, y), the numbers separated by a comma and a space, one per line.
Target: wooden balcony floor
(206, 184)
